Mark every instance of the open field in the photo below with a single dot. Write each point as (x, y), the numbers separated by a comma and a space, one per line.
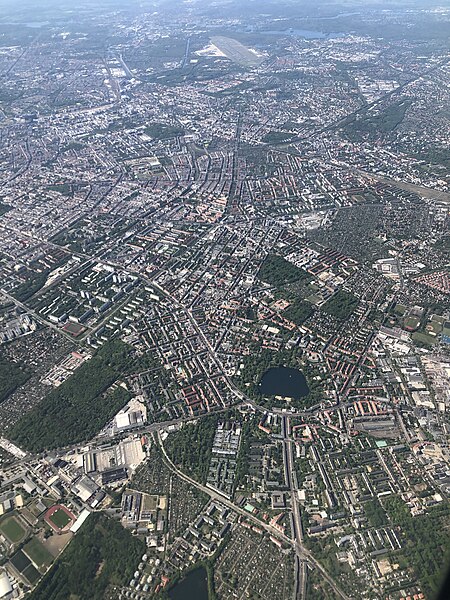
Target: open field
(37, 552)
(55, 544)
(424, 338)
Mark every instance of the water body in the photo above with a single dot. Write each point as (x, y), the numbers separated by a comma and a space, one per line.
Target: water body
(308, 34)
(32, 24)
(192, 587)
(343, 14)
(284, 381)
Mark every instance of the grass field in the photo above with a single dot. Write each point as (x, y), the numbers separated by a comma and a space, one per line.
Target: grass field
(423, 338)
(23, 565)
(60, 518)
(38, 553)
(434, 326)
(150, 502)
(20, 561)
(411, 323)
(12, 529)
(400, 309)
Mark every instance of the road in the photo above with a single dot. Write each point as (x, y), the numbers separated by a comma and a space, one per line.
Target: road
(302, 554)
(102, 440)
(36, 315)
(297, 527)
(300, 550)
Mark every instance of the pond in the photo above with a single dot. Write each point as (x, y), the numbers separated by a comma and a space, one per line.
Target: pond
(32, 24)
(192, 587)
(308, 34)
(284, 381)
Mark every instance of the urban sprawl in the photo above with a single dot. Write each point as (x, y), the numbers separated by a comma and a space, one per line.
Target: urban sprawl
(224, 300)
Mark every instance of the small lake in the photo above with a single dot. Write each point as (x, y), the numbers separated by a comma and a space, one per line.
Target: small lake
(32, 24)
(307, 34)
(284, 381)
(192, 587)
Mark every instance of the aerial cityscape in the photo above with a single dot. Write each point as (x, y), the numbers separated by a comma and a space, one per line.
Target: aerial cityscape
(224, 299)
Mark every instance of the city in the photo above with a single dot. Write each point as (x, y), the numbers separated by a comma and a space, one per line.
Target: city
(224, 300)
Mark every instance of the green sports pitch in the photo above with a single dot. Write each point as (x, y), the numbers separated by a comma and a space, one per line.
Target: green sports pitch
(12, 529)
(60, 518)
(37, 552)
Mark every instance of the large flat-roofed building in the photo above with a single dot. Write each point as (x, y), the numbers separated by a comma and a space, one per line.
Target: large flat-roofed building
(6, 589)
(127, 453)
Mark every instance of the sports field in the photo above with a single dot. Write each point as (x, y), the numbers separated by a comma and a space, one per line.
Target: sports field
(12, 529)
(60, 518)
(23, 565)
(74, 329)
(38, 553)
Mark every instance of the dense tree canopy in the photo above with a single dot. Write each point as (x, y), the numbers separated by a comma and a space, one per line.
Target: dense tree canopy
(278, 272)
(102, 554)
(80, 407)
(341, 305)
(190, 448)
(12, 375)
(427, 543)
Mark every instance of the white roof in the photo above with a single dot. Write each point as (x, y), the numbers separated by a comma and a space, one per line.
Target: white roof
(122, 420)
(81, 519)
(5, 585)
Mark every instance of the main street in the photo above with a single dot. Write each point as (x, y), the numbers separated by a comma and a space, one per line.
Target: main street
(297, 526)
